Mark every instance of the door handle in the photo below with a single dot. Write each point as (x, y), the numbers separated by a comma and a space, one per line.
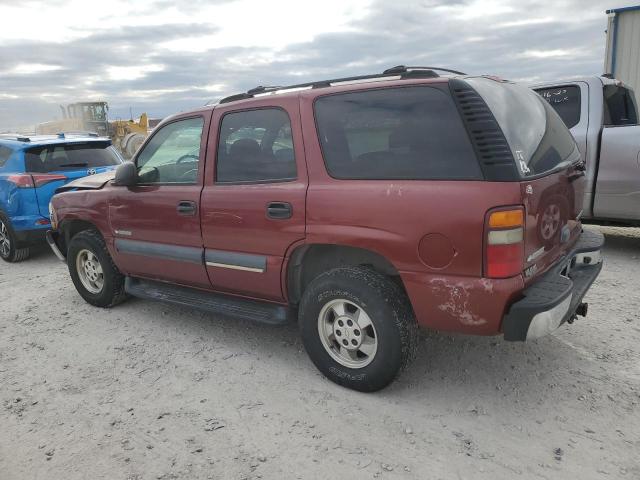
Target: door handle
(187, 208)
(279, 210)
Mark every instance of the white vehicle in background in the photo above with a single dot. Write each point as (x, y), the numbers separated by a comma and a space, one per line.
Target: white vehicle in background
(602, 115)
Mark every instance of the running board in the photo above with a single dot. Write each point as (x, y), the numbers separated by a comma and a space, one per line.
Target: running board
(225, 305)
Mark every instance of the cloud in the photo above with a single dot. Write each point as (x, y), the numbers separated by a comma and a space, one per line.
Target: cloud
(156, 57)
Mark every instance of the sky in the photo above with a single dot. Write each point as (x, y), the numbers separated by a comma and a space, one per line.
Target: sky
(162, 56)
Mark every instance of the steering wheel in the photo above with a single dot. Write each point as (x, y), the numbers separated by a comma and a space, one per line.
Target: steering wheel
(187, 156)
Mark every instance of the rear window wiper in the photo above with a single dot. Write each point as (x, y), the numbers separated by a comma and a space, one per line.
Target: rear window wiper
(81, 164)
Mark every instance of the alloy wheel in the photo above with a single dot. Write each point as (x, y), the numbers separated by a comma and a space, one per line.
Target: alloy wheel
(5, 240)
(347, 333)
(90, 271)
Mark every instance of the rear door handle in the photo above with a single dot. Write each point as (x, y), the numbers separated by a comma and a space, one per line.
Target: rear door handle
(279, 210)
(187, 208)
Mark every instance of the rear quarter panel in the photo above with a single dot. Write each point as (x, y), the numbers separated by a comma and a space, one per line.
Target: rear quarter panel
(392, 218)
(19, 204)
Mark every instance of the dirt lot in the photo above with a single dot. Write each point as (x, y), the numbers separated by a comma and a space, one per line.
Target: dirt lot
(148, 391)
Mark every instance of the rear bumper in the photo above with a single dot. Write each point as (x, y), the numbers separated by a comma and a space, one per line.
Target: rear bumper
(52, 240)
(554, 298)
(26, 238)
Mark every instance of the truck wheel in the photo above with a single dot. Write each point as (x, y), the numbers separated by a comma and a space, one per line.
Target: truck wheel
(9, 251)
(93, 272)
(358, 327)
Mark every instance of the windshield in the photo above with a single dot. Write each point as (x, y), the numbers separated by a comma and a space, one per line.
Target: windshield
(540, 141)
(73, 156)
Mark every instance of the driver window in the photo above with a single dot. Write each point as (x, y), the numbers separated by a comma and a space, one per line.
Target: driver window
(173, 153)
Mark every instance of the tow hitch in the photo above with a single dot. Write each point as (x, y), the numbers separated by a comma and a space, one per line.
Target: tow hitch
(582, 310)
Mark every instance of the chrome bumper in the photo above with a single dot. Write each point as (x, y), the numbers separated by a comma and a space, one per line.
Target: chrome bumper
(556, 297)
(54, 246)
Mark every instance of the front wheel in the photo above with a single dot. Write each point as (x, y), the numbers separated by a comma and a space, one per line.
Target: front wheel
(358, 327)
(93, 272)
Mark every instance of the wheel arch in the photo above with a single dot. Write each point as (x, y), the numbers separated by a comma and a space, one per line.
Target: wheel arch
(70, 228)
(307, 261)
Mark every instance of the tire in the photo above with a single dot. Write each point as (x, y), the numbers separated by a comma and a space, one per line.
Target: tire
(93, 272)
(9, 248)
(392, 328)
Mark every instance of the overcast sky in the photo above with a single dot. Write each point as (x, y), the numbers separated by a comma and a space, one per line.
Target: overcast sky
(165, 56)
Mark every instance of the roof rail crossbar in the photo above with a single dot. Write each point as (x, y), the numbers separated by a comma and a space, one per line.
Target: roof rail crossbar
(14, 136)
(403, 69)
(399, 71)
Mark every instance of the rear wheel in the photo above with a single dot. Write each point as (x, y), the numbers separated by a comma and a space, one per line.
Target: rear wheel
(358, 327)
(93, 272)
(9, 250)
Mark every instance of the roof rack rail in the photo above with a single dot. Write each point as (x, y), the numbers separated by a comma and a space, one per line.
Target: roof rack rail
(15, 136)
(77, 133)
(404, 69)
(397, 72)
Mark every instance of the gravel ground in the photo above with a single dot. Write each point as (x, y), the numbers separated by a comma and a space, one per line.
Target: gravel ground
(150, 391)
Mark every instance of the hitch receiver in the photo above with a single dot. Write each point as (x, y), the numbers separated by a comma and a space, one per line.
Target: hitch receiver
(582, 309)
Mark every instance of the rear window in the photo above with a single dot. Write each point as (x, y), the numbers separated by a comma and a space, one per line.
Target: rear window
(619, 106)
(565, 101)
(412, 133)
(539, 139)
(75, 156)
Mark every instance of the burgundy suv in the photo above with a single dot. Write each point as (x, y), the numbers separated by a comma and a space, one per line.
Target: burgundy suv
(361, 207)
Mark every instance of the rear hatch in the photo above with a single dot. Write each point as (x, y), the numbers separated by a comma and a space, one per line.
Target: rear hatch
(547, 167)
(53, 166)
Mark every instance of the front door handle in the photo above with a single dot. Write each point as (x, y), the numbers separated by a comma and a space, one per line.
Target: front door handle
(187, 208)
(279, 210)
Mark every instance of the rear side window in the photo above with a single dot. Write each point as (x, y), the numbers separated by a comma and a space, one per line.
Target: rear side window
(5, 153)
(539, 140)
(255, 146)
(619, 106)
(565, 101)
(412, 133)
(74, 156)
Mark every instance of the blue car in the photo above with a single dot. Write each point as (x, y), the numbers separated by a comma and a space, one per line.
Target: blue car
(31, 169)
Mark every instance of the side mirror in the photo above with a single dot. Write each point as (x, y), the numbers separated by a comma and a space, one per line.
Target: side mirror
(126, 175)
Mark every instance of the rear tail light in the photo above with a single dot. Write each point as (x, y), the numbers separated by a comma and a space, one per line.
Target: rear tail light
(504, 243)
(40, 179)
(34, 180)
(22, 180)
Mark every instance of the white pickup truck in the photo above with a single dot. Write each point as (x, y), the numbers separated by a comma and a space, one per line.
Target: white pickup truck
(603, 117)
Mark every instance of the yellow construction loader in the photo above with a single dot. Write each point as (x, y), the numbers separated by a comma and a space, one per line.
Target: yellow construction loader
(126, 135)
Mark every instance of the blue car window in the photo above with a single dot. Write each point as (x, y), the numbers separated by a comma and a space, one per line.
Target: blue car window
(71, 156)
(5, 153)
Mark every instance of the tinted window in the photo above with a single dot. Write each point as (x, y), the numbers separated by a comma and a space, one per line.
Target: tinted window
(619, 106)
(74, 156)
(5, 153)
(172, 155)
(539, 139)
(255, 146)
(565, 101)
(412, 133)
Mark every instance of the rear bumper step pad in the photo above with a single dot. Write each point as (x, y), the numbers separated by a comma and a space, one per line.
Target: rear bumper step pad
(554, 298)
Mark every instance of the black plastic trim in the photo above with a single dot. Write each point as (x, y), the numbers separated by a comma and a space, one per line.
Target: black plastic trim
(219, 304)
(160, 250)
(26, 238)
(489, 143)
